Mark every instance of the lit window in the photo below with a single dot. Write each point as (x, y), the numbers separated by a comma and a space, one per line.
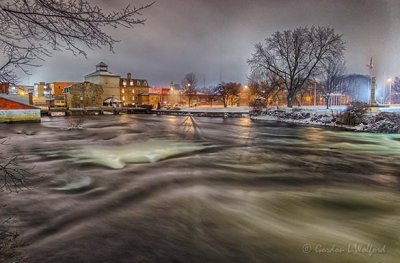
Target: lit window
(133, 91)
(123, 97)
(124, 83)
(123, 91)
(133, 98)
(131, 83)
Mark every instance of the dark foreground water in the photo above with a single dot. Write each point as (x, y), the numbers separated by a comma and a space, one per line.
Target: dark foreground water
(176, 189)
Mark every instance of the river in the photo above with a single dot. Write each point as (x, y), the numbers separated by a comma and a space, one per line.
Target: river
(180, 189)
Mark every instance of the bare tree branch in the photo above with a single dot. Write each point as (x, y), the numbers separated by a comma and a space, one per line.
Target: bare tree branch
(296, 55)
(12, 175)
(189, 84)
(31, 29)
(228, 92)
(332, 77)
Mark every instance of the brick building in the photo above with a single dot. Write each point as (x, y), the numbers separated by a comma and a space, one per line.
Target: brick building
(132, 91)
(4, 88)
(83, 95)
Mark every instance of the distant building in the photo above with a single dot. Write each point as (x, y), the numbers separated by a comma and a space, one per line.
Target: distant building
(18, 94)
(166, 95)
(21, 90)
(108, 81)
(55, 89)
(83, 95)
(131, 90)
(149, 99)
(4, 88)
(38, 89)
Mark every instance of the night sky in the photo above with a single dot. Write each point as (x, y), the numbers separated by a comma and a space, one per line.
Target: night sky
(214, 38)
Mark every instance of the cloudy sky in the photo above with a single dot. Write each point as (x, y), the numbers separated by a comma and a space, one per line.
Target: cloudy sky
(214, 38)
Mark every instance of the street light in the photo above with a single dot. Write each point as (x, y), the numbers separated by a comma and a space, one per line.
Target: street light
(390, 81)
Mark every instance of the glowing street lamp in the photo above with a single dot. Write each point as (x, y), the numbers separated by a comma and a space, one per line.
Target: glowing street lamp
(390, 81)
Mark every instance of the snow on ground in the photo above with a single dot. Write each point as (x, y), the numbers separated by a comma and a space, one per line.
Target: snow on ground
(307, 116)
(378, 120)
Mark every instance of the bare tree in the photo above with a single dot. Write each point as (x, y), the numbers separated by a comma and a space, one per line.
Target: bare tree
(210, 92)
(189, 84)
(228, 92)
(332, 77)
(296, 55)
(31, 29)
(264, 85)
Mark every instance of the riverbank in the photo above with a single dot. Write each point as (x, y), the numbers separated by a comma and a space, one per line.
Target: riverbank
(346, 119)
(206, 112)
(211, 112)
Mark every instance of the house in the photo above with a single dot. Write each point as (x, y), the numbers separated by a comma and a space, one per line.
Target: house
(15, 111)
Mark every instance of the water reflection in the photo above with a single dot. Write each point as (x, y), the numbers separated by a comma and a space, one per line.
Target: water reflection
(183, 189)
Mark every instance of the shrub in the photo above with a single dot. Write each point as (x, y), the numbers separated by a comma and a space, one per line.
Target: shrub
(354, 114)
(385, 122)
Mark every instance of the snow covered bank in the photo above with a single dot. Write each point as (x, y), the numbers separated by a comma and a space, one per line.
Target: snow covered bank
(348, 119)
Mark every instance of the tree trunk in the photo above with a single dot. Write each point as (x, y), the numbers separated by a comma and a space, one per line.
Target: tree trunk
(327, 102)
(290, 100)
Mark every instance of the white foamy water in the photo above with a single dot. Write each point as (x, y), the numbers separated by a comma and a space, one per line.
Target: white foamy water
(117, 157)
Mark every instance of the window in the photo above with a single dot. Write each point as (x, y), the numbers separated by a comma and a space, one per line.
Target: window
(133, 98)
(124, 83)
(133, 91)
(123, 91)
(123, 98)
(131, 83)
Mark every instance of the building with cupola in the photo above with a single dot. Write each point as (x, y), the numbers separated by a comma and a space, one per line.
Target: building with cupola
(109, 82)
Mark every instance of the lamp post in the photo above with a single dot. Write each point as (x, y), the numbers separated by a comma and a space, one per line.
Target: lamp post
(189, 93)
(390, 81)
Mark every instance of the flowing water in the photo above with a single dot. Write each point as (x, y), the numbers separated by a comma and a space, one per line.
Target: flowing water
(182, 189)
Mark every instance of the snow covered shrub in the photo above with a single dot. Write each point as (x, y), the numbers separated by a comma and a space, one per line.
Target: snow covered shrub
(257, 107)
(385, 122)
(354, 114)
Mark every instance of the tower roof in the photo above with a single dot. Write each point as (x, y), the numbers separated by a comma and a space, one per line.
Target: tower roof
(102, 64)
